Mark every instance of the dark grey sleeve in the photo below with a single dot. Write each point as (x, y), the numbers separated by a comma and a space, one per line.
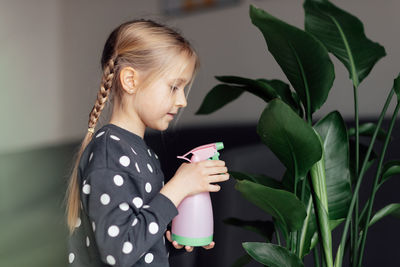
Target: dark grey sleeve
(124, 226)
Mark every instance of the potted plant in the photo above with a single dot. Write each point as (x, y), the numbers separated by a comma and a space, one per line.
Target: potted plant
(325, 162)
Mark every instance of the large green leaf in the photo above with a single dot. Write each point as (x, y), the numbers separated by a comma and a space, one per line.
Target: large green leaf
(303, 58)
(280, 204)
(368, 129)
(263, 90)
(343, 35)
(396, 87)
(264, 228)
(390, 169)
(332, 130)
(267, 90)
(257, 178)
(391, 209)
(272, 255)
(289, 137)
(218, 97)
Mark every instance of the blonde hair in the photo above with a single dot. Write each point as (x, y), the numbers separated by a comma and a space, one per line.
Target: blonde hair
(148, 47)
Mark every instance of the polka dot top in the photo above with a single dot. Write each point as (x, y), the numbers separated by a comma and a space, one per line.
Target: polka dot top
(123, 215)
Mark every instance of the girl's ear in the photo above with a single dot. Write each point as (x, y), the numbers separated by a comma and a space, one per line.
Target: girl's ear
(129, 79)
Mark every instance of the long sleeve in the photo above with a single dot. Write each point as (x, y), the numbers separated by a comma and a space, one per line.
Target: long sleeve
(125, 227)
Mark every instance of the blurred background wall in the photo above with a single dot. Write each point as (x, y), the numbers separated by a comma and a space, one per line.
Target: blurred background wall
(50, 73)
(51, 49)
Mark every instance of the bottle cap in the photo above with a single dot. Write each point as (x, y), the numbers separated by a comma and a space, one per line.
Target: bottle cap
(219, 145)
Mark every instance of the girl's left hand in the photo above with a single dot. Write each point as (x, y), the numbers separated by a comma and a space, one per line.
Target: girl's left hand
(188, 248)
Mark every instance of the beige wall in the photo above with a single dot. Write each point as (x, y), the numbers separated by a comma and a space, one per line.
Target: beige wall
(50, 67)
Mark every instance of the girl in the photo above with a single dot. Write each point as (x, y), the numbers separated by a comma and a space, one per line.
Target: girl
(118, 207)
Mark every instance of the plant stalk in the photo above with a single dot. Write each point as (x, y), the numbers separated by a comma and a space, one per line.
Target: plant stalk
(374, 190)
(355, 229)
(319, 187)
(339, 256)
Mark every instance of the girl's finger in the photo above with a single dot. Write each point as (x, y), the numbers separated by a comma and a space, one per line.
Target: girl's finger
(168, 234)
(176, 245)
(189, 248)
(210, 246)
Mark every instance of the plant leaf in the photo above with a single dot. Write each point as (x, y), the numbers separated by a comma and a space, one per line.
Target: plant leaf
(282, 205)
(218, 97)
(303, 58)
(396, 86)
(289, 137)
(368, 129)
(257, 178)
(264, 228)
(343, 35)
(332, 130)
(272, 255)
(391, 209)
(390, 169)
(261, 89)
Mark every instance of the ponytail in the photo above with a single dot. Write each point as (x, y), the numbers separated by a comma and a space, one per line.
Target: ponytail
(73, 193)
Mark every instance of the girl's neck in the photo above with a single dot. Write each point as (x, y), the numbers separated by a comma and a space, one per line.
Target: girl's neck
(127, 124)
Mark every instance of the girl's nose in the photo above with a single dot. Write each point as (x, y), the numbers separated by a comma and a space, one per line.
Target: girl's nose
(181, 99)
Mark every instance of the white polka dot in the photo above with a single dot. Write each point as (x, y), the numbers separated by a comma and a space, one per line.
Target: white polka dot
(149, 258)
(86, 189)
(78, 222)
(110, 260)
(127, 248)
(134, 222)
(87, 241)
(113, 230)
(118, 180)
(148, 150)
(153, 228)
(105, 199)
(149, 167)
(114, 137)
(138, 202)
(146, 206)
(148, 187)
(91, 156)
(124, 206)
(71, 257)
(155, 155)
(124, 160)
(137, 167)
(93, 226)
(133, 151)
(100, 134)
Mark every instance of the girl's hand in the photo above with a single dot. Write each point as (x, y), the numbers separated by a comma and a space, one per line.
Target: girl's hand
(198, 177)
(188, 248)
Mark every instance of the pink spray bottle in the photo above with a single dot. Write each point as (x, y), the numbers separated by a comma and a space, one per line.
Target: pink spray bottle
(194, 225)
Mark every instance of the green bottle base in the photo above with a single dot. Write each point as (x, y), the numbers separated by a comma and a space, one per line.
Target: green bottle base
(192, 241)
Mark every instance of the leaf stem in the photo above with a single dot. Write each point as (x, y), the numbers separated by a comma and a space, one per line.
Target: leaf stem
(374, 190)
(339, 257)
(355, 230)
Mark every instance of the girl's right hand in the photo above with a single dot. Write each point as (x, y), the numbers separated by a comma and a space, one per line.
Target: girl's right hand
(197, 177)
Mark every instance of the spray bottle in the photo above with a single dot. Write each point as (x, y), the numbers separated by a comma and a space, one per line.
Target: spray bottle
(194, 225)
